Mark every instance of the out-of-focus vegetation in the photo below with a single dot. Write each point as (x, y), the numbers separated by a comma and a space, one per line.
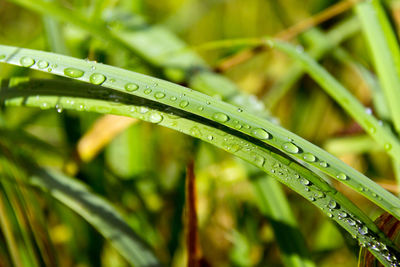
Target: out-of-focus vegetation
(140, 168)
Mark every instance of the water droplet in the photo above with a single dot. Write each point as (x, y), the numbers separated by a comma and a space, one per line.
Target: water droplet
(304, 181)
(260, 133)
(351, 222)
(73, 73)
(97, 78)
(210, 137)
(311, 198)
(368, 111)
(330, 215)
(59, 108)
(44, 105)
(184, 104)
(291, 148)
(309, 157)
(2, 57)
(130, 87)
(173, 98)
(42, 64)
(143, 110)
(112, 80)
(220, 117)
(332, 204)
(324, 164)
(49, 69)
(247, 126)
(238, 126)
(155, 117)
(240, 110)
(201, 108)
(342, 214)
(159, 95)
(26, 61)
(388, 146)
(342, 176)
(372, 130)
(319, 194)
(147, 91)
(259, 160)
(363, 230)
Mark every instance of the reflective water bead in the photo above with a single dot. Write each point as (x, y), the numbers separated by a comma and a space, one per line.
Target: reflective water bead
(27, 61)
(97, 78)
(363, 230)
(148, 91)
(309, 157)
(159, 95)
(332, 204)
(304, 181)
(73, 73)
(184, 104)
(342, 176)
(42, 64)
(220, 117)
(130, 87)
(155, 117)
(323, 164)
(388, 146)
(260, 133)
(291, 148)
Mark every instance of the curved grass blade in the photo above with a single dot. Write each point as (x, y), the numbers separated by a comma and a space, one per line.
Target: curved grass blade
(385, 53)
(95, 210)
(204, 107)
(80, 96)
(157, 46)
(320, 45)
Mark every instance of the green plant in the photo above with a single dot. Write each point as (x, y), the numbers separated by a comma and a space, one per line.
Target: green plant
(237, 128)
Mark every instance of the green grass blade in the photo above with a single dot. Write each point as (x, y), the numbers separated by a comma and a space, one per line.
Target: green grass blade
(320, 45)
(275, 207)
(157, 46)
(52, 93)
(98, 213)
(184, 99)
(385, 53)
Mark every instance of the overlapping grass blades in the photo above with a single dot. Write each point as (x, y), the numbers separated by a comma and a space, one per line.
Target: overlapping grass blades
(253, 139)
(76, 196)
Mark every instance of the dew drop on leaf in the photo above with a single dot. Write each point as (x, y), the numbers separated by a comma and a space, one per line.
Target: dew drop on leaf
(332, 204)
(342, 176)
(73, 73)
(184, 104)
(97, 78)
(155, 117)
(130, 87)
(323, 164)
(27, 61)
(260, 133)
(159, 95)
(220, 117)
(309, 157)
(291, 148)
(42, 64)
